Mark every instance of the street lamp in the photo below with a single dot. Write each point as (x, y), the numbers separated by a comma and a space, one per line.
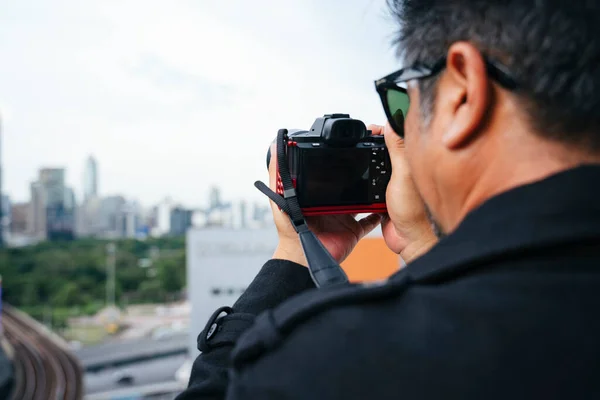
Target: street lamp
(111, 250)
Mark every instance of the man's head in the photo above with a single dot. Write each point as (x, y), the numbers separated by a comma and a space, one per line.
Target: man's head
(467, 135)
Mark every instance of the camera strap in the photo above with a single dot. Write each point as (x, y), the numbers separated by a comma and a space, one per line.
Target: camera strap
(323, 268)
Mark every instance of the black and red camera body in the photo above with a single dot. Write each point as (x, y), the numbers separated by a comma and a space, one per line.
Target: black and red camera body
(337, 167)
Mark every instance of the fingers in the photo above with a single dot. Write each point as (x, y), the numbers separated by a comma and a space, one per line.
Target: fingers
(393, 142)
(376, 129)
(273, 175)
(395, 146)
(369, 223)
(273, 167)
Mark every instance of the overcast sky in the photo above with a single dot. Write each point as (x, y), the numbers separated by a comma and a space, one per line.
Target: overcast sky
(172, 97)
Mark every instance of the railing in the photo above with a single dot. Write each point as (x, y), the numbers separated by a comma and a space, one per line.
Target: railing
(44, 366)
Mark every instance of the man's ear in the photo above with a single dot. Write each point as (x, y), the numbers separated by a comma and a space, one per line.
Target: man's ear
(468, 93)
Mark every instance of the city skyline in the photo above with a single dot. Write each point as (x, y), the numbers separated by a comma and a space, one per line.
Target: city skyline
(52, 212)
(146, 87)
(80, 196)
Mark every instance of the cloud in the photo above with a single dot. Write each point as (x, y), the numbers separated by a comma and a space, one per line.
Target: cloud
(175, 96)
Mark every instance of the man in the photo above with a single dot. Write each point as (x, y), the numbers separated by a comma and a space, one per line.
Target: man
(502, 150)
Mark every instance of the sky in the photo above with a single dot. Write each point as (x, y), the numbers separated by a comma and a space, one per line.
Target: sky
(173, 97)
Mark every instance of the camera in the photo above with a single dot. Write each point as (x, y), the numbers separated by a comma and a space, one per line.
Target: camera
(337, 167)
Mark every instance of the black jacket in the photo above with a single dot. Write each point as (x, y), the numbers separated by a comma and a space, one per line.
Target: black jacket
(506, 307)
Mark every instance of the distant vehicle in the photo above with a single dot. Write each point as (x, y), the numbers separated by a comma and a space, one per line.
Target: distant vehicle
(166, 332)
(183, 373)
(75, 344)
(124, 377)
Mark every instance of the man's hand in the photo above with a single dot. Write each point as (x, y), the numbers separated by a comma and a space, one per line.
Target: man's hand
(406, 228)
(338, 233)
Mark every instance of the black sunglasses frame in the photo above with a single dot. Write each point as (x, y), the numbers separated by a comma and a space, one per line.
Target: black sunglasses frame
(496, 71)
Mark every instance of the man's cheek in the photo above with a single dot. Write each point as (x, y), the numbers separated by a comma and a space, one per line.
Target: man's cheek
(411, 132)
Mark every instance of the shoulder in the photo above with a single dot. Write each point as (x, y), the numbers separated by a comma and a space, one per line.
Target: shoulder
(312, 330)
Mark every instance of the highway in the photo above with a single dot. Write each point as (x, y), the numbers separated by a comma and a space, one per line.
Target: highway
(138, 374)
(129, 351)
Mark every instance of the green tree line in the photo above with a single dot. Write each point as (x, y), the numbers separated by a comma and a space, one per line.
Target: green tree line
(70, 277)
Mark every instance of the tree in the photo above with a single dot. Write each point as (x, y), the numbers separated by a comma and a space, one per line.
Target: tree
(151, 291)
(67, 296)
(71, 276)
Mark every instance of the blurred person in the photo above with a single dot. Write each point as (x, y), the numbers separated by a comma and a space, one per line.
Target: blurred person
(501, 150)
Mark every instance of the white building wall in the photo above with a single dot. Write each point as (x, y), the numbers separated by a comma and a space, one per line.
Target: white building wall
(221, 263)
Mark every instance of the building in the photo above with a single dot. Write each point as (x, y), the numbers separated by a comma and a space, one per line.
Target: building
(162, 224)
(110, 217)
(261, 214)
(5, 215)
(218, 212)
(128, 221)
(107, 219)
(18, 218)
(214, 200)
(87, 221)
(36, 224)
(90, 179)
(53, 182)
(221, 263)
(244, 216)
(181, 221)
(52, 207)
(60, 222)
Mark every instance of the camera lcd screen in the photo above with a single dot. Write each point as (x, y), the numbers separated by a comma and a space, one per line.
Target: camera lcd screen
(334, 177)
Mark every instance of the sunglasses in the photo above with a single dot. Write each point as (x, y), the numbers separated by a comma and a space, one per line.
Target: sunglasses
(394, 96)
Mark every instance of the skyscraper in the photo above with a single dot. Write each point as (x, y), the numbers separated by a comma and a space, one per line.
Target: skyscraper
(53, 181)
(90, 179)
(36, 224)
(52, 207)
(214, 200)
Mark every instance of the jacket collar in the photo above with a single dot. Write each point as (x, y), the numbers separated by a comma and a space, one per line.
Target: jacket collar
(562, 208)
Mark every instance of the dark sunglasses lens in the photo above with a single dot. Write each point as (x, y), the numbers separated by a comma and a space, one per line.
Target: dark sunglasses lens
(398, 106)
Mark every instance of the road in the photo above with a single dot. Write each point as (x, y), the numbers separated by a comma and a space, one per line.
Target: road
(147, 372)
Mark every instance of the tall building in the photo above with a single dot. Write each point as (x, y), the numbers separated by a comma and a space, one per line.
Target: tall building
(163, 218)
(36, 224)
(214, 198)
(181, 220)
(5, 215)
(52, 207)
(60, 222)
(107, 219)
(18, 218)
(53, 181)
(102, 217)
(90, 179)
(128, 220)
